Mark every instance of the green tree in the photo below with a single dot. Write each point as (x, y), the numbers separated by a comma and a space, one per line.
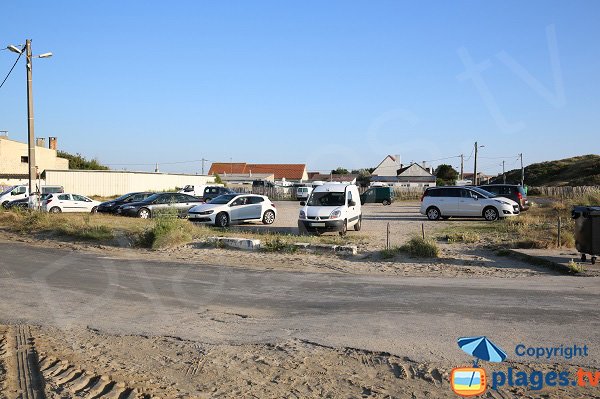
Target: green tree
(218, 179)
(340, 171)
(446, 175)
(78, 161)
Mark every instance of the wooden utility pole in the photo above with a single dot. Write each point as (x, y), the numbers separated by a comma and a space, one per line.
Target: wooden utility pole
(503, 174)
(522, 171)
(462, 166)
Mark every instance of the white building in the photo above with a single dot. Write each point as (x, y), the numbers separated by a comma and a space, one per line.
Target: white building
(388, 167)
(108, 183)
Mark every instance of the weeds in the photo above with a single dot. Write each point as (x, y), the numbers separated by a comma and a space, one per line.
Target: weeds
(468, 237)
(389, 253)
(278, 245)
(575, 267)
(421, 248)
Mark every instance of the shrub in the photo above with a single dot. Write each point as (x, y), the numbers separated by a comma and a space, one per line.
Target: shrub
(575, 267)
(389, 253)
(168, 231)
(278, 245)
(421, 248)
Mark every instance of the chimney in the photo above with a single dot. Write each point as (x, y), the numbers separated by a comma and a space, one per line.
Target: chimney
(398, 162)
(40, 142)
(52, 143)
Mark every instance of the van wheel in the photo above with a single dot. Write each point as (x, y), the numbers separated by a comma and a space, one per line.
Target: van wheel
(268, 217)
(386, 202)
(433, 213)
(301, 229)
(490, 214)
(357, 226)
(344, 230)
(222, 220)
(55, 209)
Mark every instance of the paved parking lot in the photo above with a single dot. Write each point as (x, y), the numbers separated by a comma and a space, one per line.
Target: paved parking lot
(403, 217)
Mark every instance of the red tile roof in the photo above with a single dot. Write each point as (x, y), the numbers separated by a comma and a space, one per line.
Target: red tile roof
(288, 171)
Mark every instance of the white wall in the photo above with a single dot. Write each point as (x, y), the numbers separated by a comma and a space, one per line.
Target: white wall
(111, 182)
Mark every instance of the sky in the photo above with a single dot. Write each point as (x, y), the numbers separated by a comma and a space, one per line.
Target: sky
(337, 83)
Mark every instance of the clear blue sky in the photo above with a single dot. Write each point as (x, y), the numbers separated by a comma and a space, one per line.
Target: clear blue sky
(326, 83)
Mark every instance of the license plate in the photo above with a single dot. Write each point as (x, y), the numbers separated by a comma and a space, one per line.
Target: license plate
(317, 224)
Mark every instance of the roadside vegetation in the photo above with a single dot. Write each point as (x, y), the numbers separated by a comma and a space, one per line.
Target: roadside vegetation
(535, 228)
(166, 231)
(416, 247)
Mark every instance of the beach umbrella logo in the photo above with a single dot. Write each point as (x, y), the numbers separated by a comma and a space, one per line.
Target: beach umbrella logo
(471, 381)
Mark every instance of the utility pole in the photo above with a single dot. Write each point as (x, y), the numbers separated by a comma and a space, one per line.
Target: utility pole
(462, 166)
(30, 132)
(503, 174)
(475, 167)
(522, 171)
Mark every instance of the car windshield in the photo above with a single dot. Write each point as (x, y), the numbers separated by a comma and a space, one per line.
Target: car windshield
(8, 190)
(223, 199)
(124, 197)
(481, 191)
(328, 198)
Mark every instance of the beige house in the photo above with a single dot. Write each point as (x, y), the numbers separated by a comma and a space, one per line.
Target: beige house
(14, 159)
(388, 167)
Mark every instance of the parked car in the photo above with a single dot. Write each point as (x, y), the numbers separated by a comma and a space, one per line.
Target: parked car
(377, 195)
(224, 209)
(331, 207)
(514, 192)
(112, 205)
(262, 184)
(160, 203)
(22, 203)
(197, 190)
(64, 202)
(211, 192)
(445, 202)
(303, 192)
(22, 191)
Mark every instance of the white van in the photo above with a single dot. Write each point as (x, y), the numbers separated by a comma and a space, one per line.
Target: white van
(303, 192)
(197, 190)
(22, 191)
(331, 207)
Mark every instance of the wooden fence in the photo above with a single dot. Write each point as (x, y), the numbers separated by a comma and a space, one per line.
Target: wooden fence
(564, 192)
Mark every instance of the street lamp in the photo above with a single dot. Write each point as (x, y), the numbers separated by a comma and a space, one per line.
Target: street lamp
(475, 180)
(30, 131)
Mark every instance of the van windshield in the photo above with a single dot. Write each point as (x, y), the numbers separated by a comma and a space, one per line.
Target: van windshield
(8, 190)
(335, 198)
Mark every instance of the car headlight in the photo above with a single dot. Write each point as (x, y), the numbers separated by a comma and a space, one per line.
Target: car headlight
(335, 214)
(302, 215)
(207, 212)
(503, 202)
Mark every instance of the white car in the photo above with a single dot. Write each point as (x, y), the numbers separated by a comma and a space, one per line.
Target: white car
(331, 207)
(445, 202)
(303, 192)
(227, 208)
(56, 203)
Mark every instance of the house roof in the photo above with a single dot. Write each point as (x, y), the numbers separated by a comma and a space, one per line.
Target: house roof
(404, 169)
(288, 171)
(334, 177)
(393, 158)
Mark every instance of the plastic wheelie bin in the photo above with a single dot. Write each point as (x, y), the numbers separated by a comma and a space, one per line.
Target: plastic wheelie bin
(587, 231)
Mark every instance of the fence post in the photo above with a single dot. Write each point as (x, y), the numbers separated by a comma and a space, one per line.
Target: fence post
(423, 230)
(387, 241)
(558, 244)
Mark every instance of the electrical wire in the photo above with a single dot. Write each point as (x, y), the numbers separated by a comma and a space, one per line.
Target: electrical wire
(11, 69)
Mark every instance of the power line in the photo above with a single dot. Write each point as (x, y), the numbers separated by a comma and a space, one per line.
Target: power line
(11, 69)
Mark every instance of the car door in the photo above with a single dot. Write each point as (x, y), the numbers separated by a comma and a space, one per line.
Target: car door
(65, 203)
(238, 208)
(184, 203)
(254, 209)
(163, 204)
(352, 208)
(81, 203)
(448, 201)
(469, 203)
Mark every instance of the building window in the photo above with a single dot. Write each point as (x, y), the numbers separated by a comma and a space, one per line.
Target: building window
(25, 159)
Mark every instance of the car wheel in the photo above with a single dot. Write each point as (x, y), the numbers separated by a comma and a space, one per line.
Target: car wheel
(344, 230)
(490, 214)
(358, 224)
(144, 213)
(433, 213)
(55, 209)
(222, 220)
(302, 229)
(268, 217)
(5, 203)
(583, 257)
(95, 209)
(386, 202)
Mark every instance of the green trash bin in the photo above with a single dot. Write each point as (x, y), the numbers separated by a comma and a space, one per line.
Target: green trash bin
(587, 231)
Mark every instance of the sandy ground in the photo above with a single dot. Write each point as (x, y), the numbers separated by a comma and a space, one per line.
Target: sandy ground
(86, 363)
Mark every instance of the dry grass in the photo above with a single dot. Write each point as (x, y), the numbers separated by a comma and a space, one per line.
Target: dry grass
(163, 232)
(421, 248)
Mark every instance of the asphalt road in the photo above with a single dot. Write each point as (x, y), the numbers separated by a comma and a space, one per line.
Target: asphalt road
(416, 317)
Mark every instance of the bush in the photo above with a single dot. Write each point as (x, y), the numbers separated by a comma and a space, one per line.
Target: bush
(168, 231)
(389, 253)
(575, 267)
(278, 245)
(421, 248)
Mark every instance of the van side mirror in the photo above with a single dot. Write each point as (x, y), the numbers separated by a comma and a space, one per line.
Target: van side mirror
(351, 203)
(302, 203)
